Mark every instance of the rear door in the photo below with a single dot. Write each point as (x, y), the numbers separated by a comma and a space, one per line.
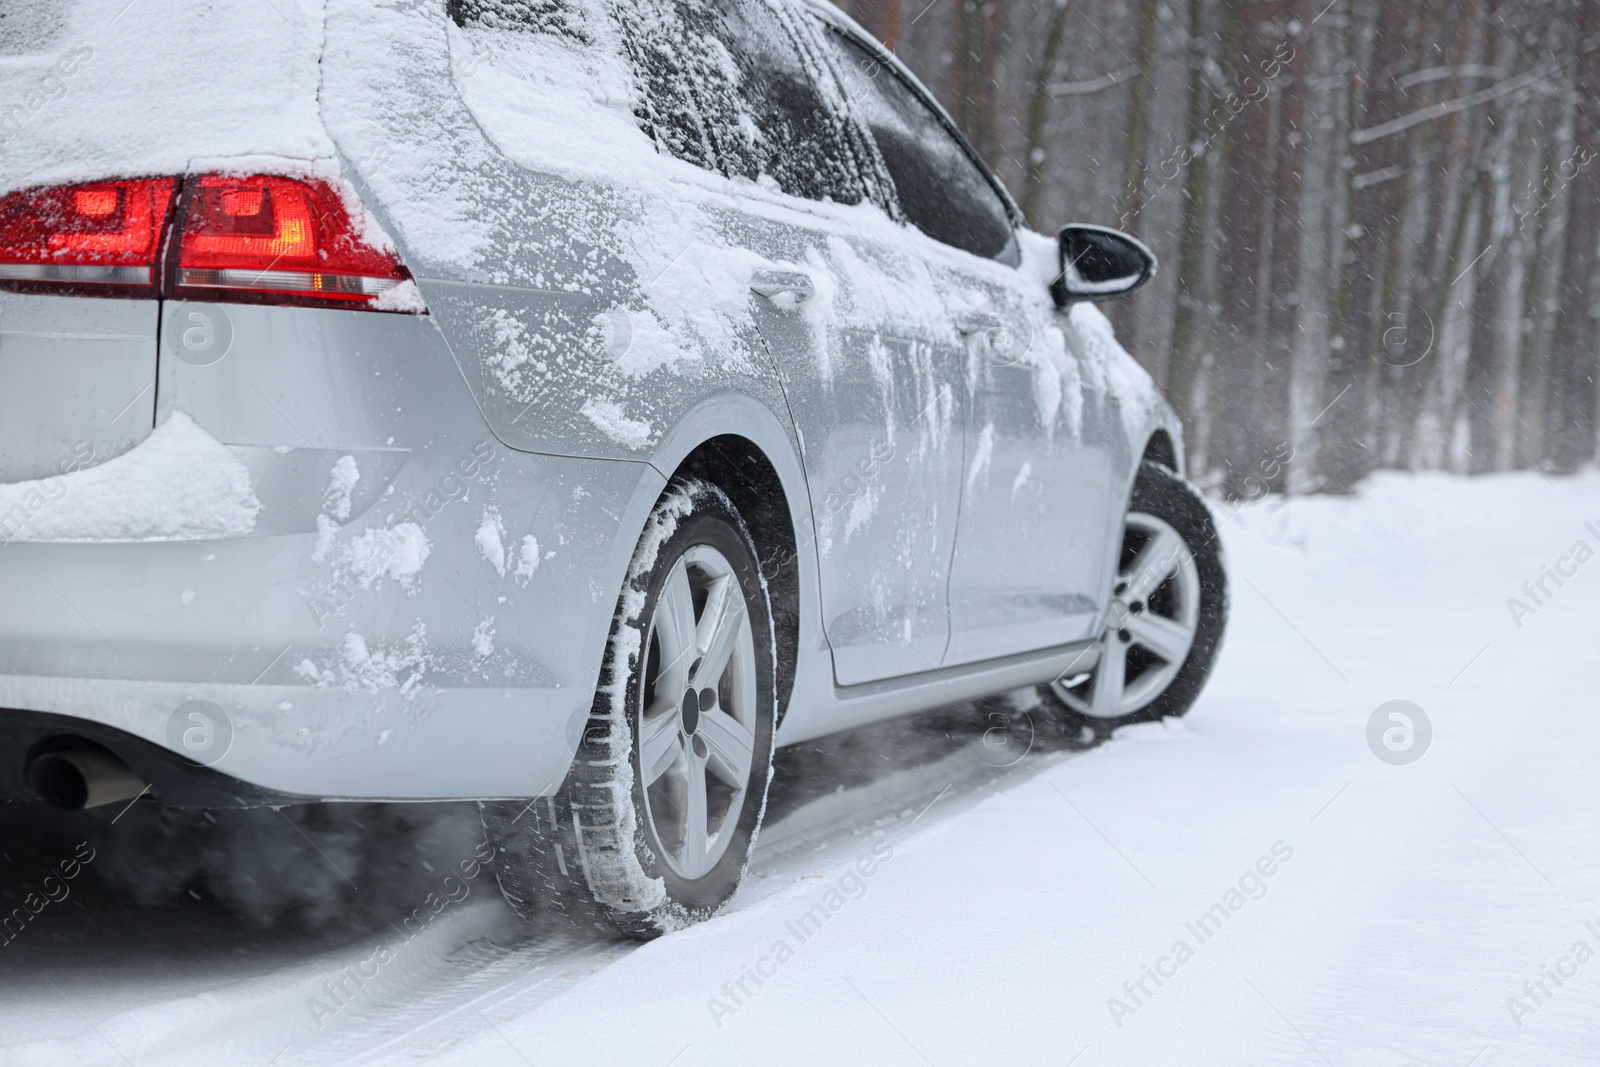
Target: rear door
(856, 331)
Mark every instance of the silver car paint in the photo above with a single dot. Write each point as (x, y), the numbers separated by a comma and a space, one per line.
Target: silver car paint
(108, 632)
(77, 372)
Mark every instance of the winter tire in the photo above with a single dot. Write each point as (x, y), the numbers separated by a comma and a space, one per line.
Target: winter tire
(1168, 610)
(653, 827)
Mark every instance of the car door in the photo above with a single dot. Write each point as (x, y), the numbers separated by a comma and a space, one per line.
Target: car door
(850, 316)
(1037, 490)
(1032, 548)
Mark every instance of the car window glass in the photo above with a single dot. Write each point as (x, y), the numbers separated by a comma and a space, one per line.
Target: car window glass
(941, 190)
(724, 85)
(786, 129)
(563, 17)
(668, 63)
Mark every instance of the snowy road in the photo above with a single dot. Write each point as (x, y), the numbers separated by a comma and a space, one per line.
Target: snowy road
(1254, 886)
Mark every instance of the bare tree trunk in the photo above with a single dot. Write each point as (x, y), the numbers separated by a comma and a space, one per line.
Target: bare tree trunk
(1538, 307)
(1345, 453)
(1284, 297)
(1456, 264)
(1412, 366)
(1250, 44)
(1037, 153)
(1484, 372)
(991, 142)
(1132, 199)
(1394, 305)
(967, 87)
(1489, 396)
(1196, 249)
(1570, 417)
(1138, 116)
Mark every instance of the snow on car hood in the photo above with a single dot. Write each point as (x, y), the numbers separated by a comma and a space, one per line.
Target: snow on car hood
(179, 484)
(102, 88)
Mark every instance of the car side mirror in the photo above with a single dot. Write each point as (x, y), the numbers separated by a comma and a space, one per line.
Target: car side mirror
(1100, 264)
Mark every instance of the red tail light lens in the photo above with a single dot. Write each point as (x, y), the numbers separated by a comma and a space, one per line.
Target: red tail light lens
(279, 240)
(104, 236)
(260, 239)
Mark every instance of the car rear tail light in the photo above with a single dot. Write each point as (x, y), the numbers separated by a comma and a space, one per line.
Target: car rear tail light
(103, 236)
(258, 239)
(277, 240)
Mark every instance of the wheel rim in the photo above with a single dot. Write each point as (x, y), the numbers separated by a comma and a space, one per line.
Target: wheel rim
(1150, 627)
(698, 713)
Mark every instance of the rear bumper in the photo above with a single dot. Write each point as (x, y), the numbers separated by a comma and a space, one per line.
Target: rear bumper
(459, 683)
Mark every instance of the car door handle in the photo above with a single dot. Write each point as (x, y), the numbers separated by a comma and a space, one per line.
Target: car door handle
(979, 322)
(775, 283)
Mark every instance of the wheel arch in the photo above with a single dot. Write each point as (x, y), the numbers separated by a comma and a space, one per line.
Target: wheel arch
(1161, 450)
(755, 461)
(1161, 434)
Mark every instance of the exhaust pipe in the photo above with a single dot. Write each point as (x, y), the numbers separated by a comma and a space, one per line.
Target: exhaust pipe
(82, 776)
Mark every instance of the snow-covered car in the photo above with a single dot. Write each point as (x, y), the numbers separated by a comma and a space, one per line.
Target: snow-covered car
(550, 403)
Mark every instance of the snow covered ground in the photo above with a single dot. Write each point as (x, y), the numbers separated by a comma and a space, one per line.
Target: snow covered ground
(1252, 886)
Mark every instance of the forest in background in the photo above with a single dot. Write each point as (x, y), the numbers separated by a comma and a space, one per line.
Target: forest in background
(1377, 220)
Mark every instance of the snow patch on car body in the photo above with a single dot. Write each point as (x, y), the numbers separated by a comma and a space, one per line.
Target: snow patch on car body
(511, 352)
(1023, 476)
(483, 639)
(178, 484)
(358, 667)
(490, 539)
(397, 552)
(610, 418)
(552, 99)
(861, 511)
(403, 297)
(527, 559)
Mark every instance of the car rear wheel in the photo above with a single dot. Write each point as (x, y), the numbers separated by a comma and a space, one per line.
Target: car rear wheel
(654, 825)
(1168, 611)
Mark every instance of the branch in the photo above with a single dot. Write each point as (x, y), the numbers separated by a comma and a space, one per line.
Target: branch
(1447, 107)
(1094, 85)
(1438, 74)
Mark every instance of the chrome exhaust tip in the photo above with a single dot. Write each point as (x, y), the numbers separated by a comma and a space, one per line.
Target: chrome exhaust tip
(81, 775)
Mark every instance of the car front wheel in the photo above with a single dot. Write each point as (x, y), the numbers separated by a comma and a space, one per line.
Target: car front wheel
(1168, 610)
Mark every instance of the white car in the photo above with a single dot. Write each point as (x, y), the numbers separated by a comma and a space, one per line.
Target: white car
(552, 403)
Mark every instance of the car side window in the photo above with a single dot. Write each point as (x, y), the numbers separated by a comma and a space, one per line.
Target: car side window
(941, 189)
(668, 64)
(793, 135)
(533, 16)
(724, 85)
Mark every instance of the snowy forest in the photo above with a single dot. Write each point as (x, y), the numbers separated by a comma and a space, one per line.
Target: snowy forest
(1377, 220)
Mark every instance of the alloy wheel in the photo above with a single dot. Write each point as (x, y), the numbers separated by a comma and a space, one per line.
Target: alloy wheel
(1150, 627)
(698, 712)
